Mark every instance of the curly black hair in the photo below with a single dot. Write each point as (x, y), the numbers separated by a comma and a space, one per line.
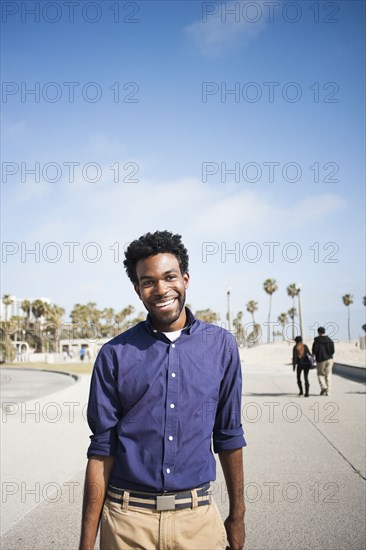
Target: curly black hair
(151, 244)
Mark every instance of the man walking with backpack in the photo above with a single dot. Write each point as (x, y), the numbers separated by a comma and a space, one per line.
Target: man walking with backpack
(323, 349)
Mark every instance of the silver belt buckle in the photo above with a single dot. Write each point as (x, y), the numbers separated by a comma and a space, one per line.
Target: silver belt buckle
(165, 502)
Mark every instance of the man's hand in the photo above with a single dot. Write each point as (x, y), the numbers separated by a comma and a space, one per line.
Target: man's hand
(235, 530)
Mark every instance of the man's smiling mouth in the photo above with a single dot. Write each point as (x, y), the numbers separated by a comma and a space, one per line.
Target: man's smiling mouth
(164, 304)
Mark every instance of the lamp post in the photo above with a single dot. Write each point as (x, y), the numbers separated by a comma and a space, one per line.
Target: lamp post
(229, 319)
(298, 292)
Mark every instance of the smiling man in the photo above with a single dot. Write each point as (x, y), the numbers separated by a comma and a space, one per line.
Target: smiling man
(160, 393)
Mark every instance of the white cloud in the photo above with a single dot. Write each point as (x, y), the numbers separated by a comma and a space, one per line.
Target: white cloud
(120, 212)
(224, 25)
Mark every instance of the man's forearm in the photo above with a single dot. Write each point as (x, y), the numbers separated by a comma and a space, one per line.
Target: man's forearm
(96, 483)
(232, 466)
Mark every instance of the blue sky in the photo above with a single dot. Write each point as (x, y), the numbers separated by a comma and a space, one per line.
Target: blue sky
(149, 96)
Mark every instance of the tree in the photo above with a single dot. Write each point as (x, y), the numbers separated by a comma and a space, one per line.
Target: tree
(120, 320)
(270, 286)
(85, 319)
(7, 348)
(348, 300)
(125, 312)
(252, 306)
(39, 309)
(26, 307)
(282, 319)
(239, 331)
(108, 315)
(292, 312)
(207, 315)
(364, 300)
(293, 291)
(53, 325)
(254, 336)
(7, 301)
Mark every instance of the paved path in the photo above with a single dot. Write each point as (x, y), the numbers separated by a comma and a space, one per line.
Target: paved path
(19, 385)
(305, 467)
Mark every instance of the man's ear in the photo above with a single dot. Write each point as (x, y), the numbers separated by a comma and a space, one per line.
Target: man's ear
(137, 290)
(186, 279)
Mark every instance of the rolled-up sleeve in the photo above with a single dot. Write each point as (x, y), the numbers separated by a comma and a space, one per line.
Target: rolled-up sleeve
(104, 408)
(228, 431)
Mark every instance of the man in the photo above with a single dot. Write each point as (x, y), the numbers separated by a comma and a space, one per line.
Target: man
(159, 392)
(323, 349)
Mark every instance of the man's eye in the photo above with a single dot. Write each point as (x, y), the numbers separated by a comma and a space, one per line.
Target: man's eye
(146, 283)
(170, 277)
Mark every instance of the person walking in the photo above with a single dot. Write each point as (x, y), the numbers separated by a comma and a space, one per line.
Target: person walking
(323, 349)
(159, 393)
(300, 362)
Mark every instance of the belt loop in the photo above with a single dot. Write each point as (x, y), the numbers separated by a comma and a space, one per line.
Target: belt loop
(194, 499)
(125, 500)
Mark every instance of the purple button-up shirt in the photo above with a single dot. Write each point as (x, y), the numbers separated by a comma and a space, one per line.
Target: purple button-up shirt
(155, 405)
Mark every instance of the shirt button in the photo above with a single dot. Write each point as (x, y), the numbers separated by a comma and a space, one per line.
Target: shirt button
(173, 345)
(170, 438)
(173, 374)
(168, 470)
(172, 405)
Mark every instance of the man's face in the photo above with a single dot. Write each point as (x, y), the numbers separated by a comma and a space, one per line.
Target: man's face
(162, 289)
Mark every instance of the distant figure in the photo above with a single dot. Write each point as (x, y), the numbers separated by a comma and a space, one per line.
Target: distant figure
(82, 353)
(323, 349)
(300, 362)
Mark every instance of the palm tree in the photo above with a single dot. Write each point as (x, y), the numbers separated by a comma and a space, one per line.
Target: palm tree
(282, 319)
(26, 307)
(207, 315)
(270, 286)
(85, 318)
(108, 315)
(39, 308)
(348, 300)
(293, 291)
(119, 319)
(292, 314)
(239, 331)
(125, 312)
(54, 316)
(7, 348)
(7, 301)
(252, 306)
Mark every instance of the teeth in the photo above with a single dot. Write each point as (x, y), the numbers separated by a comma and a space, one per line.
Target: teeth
(164, 304)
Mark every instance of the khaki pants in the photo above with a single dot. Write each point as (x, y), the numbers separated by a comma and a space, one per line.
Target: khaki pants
(324, 369)
(145, 529)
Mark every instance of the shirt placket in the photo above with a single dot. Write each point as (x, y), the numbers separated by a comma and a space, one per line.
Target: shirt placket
(171, 415)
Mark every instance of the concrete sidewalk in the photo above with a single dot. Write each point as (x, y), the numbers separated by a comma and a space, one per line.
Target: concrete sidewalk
(305, 467)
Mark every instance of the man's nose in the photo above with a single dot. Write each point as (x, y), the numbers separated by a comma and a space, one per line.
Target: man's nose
(161, 288)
